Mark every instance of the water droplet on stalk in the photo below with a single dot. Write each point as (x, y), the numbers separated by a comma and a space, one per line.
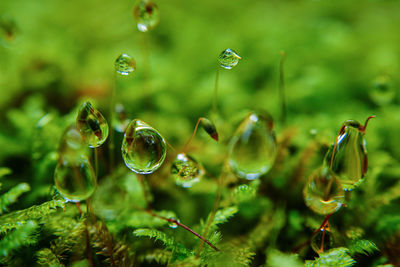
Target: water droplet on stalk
(186, 171)
(143, 148)
(323, 192)
(172, 224)
(92, 125)
(146, 14)
(322, 241)
(75, 179)
(228, 59)
(252, 149)
(125, 64)
(347, 157)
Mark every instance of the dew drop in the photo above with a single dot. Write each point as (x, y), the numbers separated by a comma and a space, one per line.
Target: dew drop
(146, 14)
(143, 148)
(323, 192)
(92, 125)
(322, 241)
(72, 146)
(173, 225)
(120, 119)
(125, 64)
(382, 91)
(186, 171)
(228, 59)
(349, 161)
(252, 149)
(75, 179)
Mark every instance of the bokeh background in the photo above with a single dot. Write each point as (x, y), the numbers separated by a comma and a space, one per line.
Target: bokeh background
(343, 60)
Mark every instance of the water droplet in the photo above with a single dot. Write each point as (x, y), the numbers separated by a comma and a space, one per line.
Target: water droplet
(252, 149)
(125, 64)
(143, 148)
(72, 146)
(349, 161)
(382, 92)
(75, 179)
(92, 125)
(322, 241)
(186, 171)
(228, 59)
(146, 14)
(323, 192)
(172, 224)
(120, 119)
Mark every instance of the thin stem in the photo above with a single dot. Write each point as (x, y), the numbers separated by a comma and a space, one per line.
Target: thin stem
(96, 162)
(183, 226)
(216, 83)
(90, 259)
(363, 128)
(111, 124)
(282, 87)
(213, 212)
(325, 221)
(191, 138)
(144, 189)
(146, 68)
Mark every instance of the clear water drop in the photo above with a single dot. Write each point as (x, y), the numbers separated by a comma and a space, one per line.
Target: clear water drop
(382, 91)
(322, 241)
(75, 179)
(323, 192)
(349, 161)
(173, 225)
(92, 125)
(125, 64)
(143, 148)
(228, 59)
(252, 149)
(186, 171)
(120, 119)
(146, 14)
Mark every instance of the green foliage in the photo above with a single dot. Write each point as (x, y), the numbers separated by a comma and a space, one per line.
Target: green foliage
(46, 258)
(365, 247)
(276, 258)
(12, 195)
(23, 236)
(338, 257)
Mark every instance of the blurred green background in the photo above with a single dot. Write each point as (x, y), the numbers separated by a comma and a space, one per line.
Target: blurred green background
(343, 60)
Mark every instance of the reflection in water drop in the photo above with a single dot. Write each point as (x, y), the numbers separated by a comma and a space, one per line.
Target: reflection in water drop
(92, 125)
(228, 59)
(143, 148)
(125, 64)
(146, 14)
(186, 171)
(323, 192)
(75, 180)
(252, 149)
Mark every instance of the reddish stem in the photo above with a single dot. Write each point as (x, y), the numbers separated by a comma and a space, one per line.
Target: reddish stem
(191, 138)
(363, 128)
(183, 226)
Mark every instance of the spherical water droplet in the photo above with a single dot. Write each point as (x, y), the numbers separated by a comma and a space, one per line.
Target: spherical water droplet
(173, 225)
(322, 241)
(92, 125)
(125, 64)
(120, 119)
(228, 59)
(143, 148)
(252, 149)
(323, 192)
(349, 161)
(382, 92)
(186, 170)
(146, 14)
(75, 180)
